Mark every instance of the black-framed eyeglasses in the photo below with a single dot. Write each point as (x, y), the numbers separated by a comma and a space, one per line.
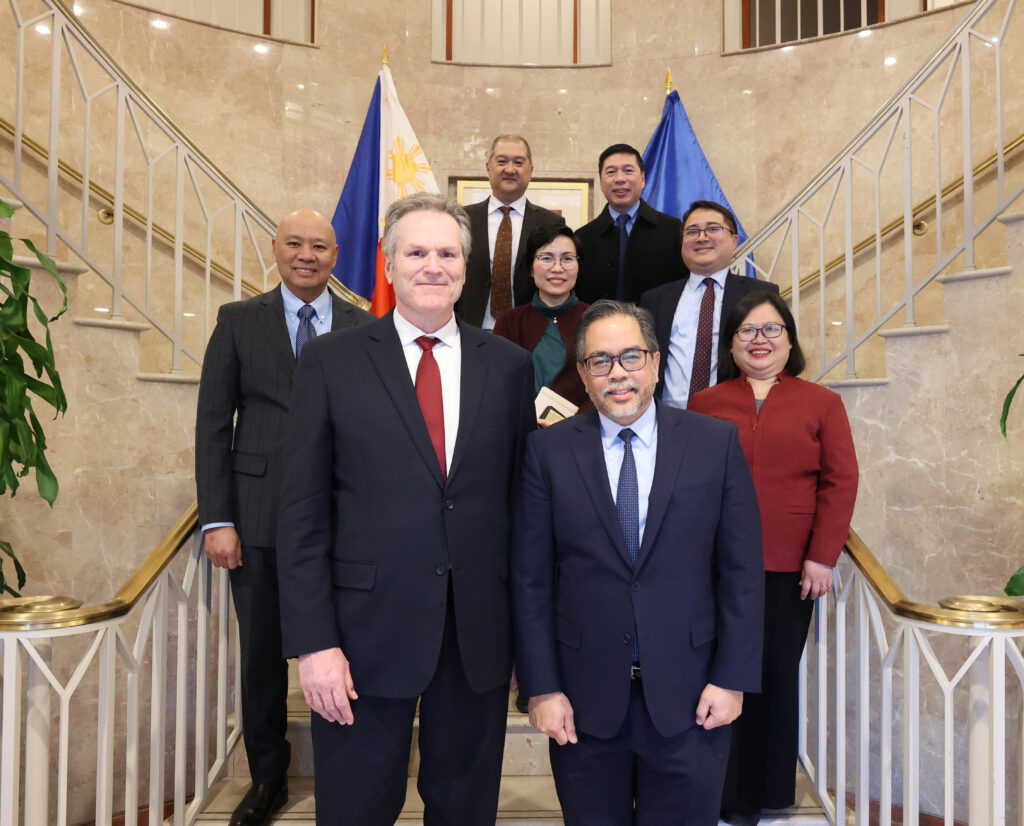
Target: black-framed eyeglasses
(601, 364)
(548, 260)
(770, 330)
(712, 231)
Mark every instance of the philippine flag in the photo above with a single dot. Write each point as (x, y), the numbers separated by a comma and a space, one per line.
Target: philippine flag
(388, 164)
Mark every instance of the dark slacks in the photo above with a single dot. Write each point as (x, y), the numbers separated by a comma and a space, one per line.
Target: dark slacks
(639, 776)
(264, 669)
(362, 769)
(762, 761)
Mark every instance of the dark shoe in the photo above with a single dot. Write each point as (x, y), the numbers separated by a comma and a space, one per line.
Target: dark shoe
(260, 803)
(522, 703)
(735, 817)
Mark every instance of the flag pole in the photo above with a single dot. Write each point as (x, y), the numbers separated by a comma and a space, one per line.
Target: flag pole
(384, 57)
(668, 83)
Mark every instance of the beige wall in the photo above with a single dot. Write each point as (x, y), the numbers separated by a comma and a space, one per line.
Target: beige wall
(767, 120)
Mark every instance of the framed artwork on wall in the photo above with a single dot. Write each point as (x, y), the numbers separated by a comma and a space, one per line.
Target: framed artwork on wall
(570, 199)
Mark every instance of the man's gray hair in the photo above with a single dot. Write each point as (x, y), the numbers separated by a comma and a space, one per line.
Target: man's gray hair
(510, 137)
(424, 202)
(606, 308)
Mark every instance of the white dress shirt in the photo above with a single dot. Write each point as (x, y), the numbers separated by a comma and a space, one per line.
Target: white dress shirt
(494, 216)
(682, 340)
(645, 449)
(448, 355)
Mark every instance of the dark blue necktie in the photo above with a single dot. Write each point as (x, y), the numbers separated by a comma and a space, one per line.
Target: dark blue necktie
(305, 331)
(620, 287)
(627, 503)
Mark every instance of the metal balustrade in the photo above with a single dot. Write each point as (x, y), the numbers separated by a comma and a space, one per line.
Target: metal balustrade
(156, 669)
(962, 104)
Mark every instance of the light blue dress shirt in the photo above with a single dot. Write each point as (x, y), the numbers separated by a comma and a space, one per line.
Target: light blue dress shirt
(682, 340)
(645, 448)
(631, 212)
(321, 305)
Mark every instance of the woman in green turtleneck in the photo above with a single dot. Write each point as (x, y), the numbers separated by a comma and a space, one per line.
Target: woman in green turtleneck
(547, 325)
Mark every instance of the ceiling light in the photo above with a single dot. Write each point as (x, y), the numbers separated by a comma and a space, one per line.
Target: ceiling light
(160, 24)
(748, 91)
(864, 33)
(76, 9)
(837, 324)
(890, 61)
(787, 48)
(101, 309)
(260, 48)
(300, 85)
(189, 315)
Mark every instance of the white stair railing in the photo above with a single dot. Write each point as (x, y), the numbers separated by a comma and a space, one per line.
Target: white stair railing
(81, 112)
(150, 678)
(873, 668)
(962, 104)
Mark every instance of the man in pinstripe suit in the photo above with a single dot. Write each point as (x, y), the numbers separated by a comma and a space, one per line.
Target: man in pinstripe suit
(248, 369)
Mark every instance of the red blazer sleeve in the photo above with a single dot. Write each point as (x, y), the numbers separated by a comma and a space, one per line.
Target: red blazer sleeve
(837, 486)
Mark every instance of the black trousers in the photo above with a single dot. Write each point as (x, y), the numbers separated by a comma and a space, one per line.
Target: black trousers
(639, 776)
(762, 760)
(264, 669)
(361, 770)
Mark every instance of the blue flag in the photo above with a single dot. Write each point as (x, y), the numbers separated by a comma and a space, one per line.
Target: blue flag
(676, 168)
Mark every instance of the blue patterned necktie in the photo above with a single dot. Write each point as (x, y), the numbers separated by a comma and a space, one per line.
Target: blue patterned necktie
(620, 287)
(627, 503)
(305, 331)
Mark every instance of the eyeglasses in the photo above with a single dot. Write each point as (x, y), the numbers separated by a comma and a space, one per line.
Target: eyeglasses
(713, 231)
(548, 260)
(631, 360)
(772, 330)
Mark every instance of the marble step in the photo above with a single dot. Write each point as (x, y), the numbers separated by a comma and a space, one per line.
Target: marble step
(526, 750)
(522, 801)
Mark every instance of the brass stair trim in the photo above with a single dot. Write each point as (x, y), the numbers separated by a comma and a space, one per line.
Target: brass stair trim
(992, 614)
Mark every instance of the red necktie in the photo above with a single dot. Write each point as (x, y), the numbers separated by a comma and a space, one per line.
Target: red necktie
(428, 392)
(501, 268)
(701, 373)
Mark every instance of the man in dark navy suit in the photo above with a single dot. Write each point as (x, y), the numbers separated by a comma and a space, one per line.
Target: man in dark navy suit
(638, 587)
(403, 443)
(248, 370)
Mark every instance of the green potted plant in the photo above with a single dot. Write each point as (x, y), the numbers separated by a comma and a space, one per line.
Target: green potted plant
(22, 441)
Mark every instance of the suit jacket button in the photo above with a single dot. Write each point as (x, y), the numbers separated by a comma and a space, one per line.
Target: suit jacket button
(636, 586)
(441, 569)
(449, 505)
(627, 639)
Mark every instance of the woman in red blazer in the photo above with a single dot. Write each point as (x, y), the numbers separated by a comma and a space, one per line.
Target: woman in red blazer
(547, 325)
(798, 444)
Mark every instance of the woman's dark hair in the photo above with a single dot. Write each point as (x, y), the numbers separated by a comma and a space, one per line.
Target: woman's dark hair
(794, 365)
(539, 238)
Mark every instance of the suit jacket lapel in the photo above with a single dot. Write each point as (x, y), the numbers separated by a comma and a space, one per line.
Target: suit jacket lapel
(673, 439)
(385, 351)
(589, 455)
(276, 329)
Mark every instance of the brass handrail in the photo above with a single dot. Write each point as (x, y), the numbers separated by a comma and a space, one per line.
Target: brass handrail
(925, 206)
(34, 613)
(993, 613)
(139, 217)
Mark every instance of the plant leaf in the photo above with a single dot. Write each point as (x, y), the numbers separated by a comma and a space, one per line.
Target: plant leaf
(1015, 586)
(1006, 406)
(19, 571)
(6, 210)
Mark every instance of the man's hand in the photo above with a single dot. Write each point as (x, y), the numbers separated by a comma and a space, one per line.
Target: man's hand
(327, 685)
(815, 580)
(718, 706)
(551, 714)
(223, 547)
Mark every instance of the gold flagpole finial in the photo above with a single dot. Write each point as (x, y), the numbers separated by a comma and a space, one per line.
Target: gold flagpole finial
(384, 57)
(668, 83)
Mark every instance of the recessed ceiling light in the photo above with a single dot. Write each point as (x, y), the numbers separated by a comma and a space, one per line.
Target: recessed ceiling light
(260, 48)
(42, 28)
(864, 33)
(160, 24)
(890, 61)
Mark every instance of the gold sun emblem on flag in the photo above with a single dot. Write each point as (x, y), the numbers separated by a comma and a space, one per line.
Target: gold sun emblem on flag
(404, 168)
